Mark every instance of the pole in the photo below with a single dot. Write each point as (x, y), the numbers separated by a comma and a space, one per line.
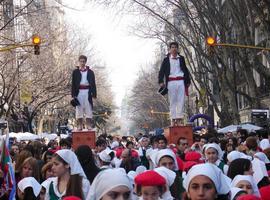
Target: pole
(241, 46)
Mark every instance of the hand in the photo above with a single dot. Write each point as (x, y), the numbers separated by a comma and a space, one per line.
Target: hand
(162, 85)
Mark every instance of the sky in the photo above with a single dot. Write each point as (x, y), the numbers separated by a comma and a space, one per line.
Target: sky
(123, 54)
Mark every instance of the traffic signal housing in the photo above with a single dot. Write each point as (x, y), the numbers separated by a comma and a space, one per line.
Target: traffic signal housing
(36, 42)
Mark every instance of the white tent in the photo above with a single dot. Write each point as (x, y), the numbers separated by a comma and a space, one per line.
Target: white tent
(234, 128)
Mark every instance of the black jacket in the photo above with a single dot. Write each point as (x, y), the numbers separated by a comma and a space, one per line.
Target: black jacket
(165, 70)
(76, 79)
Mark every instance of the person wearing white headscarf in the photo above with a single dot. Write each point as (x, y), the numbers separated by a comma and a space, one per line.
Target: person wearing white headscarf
(236, 192)
(264, 144)
(237, 154)
(28, 188)
(247, 183)
(111, 182)
(167, 158)
(214, 154)
(212, 175)
(65, 166)
(105, 157)
(260, 170)
(169, 176)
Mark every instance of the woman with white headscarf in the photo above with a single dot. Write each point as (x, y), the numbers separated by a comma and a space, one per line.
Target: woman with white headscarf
(214, 154)
(206, 181)
(28, 189)
(70, 178)
(247, 183)
(111, 184)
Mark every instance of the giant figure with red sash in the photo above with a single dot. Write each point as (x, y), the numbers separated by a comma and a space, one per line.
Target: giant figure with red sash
(174, 72)
(83, 90)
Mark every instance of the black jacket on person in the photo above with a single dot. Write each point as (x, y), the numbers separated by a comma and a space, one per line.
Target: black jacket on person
(166, 68)
(76, 79)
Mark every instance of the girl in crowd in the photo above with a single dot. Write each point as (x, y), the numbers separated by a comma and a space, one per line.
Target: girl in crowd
(105, 158)
(236, 192)
(46, 171)
(240, 166)
(28, 189)
(111, 184)
(214, 154)
(206, 181)
(150, 185)
(87, 161)
(70, 178)
(28, 168)
(247, 183)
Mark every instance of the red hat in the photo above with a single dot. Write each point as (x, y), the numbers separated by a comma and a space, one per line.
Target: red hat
(189, 164)
(193, 156)
(150, 178)
(248, 197)
(265, 192)
(180, 163)
(72, 198)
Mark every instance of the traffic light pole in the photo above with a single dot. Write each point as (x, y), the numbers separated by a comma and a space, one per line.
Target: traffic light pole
(8, 48)
(241, 46)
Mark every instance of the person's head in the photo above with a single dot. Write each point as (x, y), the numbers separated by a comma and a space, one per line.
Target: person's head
(65, 144)
(203, 141)
(111, 184)
(205, 181)
(236, 192)
(144, 141)
(106, 156)
(15, 149)
(229, 148)
(46, 171)
(173, 48)
(101, 144)
(213, 152)
(28, 189)
(130, 145)
(30, 168)
(251, 143)
(166, 158)
(247, 183)
(182, 144)
(47, 156)
(82, 60)
(150, 185)
(240, 166)
(126, 155)
(161, 142)
(20, 159)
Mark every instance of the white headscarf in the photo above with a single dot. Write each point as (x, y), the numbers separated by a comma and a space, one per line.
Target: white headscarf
(168, 174)
(221, 181)
(106, 180)
(216, 147)
(161, 153)
(114, 144)
(260, 170)
(249, 179)
(70, 158)
(234, 191)
(264, 144)
(236, 154)
(104, 155)
(30, 182)
(262, 157)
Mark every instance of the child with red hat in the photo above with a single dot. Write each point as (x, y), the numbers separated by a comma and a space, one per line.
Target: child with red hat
(150, 185)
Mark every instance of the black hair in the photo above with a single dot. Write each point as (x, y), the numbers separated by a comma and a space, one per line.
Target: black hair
(65, 142)
(181, 138)
(174, 43)
(29, 194)
(101, 142)
(128, 143)
(87, 161)
(82, 57)
(161, 137)
(264, 182)
(238, 167)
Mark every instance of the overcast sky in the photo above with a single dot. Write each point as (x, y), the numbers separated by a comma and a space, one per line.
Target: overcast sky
(122, 53)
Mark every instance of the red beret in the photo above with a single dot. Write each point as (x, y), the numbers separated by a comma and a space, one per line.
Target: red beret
(193, 156)
(265, 192)
(189, 164)
(150, 178)
(72, 198)
(248, 197)
(180, 163)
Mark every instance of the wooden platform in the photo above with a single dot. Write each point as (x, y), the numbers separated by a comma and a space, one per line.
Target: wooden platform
(174, 132)
(83, 138)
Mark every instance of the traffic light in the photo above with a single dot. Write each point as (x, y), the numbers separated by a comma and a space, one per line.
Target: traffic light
(211, 42)
(36, 42)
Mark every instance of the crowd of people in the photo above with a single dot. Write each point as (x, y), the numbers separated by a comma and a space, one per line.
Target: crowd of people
(235, 166)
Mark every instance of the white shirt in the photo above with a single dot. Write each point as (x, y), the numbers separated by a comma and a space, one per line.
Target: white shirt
(84, 80)
(175, 69)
